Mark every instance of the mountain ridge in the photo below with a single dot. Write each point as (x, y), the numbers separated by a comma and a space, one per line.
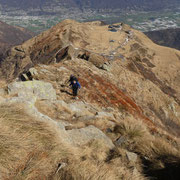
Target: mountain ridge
(126, 116)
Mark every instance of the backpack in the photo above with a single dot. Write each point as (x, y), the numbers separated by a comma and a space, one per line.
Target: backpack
(72, 78)
(79, 86)
(76, 85)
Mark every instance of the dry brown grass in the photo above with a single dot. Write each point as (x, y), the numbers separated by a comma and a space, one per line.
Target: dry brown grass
(92, 165)
(53, 110)
(155, 149)
(30, 150)
(2, 83)
(27, 146)
(131, 129)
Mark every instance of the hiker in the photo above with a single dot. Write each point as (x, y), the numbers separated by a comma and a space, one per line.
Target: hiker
(75, 85)
(72, 78)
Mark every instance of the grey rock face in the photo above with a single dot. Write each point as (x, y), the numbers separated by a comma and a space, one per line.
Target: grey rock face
(104, 115)
(39, 89)
(121, 140)
(33, 72)
(84, 135)
(132, 157)
(79, 109)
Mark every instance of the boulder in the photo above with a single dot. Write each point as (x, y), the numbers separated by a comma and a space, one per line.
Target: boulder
(120, 140)
(97, 60)
(33, 72)
(39, 89)
(24, 77)
(105, 67)
(30, 75)
(79, 109)
(84, 135)
(132, 157)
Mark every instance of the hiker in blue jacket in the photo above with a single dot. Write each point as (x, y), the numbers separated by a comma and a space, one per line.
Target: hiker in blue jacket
(75, 85)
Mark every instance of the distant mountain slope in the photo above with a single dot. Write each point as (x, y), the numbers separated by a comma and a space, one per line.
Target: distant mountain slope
(94, 4)
(167, 37)
(11, 35)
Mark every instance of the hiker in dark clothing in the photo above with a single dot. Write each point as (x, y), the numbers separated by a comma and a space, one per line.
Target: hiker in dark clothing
(71, 79)
(75, 86)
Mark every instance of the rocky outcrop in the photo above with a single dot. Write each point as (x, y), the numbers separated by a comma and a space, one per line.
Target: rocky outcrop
(64, 41)
(84, 135)
(31, 91)
(38, 89)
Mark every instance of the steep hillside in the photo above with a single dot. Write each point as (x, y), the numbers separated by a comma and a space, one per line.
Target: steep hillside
(125, 122)
(11, 36)
(167, 37)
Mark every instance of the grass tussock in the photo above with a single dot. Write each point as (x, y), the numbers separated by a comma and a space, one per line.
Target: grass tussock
(130, 129)
(157, 150)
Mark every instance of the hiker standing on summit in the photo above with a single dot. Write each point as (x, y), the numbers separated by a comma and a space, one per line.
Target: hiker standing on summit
(75, 85)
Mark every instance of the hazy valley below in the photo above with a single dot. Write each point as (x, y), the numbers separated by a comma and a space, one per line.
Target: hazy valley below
(38, 16)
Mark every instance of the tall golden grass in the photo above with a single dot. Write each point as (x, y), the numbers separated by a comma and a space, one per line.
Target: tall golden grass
(31, 150)
(157, 149)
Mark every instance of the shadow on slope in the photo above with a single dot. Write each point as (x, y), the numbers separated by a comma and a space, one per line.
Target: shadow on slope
(170, 171)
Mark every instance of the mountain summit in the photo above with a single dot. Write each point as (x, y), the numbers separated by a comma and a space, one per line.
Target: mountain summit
(125, 122)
